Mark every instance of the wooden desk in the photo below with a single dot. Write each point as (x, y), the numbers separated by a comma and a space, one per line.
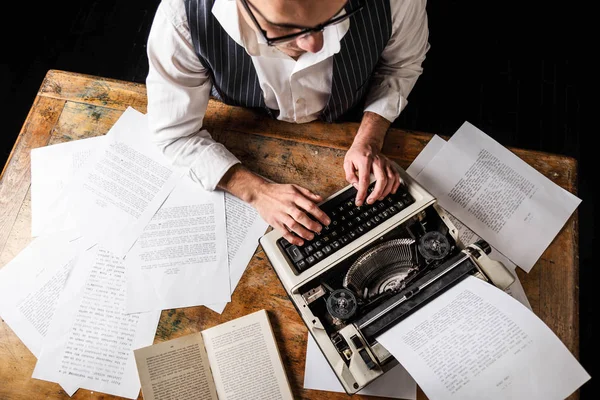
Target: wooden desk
(72, 106)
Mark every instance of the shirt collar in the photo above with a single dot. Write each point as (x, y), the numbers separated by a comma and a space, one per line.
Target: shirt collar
(226, 12)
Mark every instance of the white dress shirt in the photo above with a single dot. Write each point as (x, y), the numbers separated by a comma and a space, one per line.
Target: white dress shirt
(178, 85)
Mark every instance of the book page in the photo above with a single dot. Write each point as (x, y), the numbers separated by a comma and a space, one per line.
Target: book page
(175, 369)
(474, 339)
(245, 361)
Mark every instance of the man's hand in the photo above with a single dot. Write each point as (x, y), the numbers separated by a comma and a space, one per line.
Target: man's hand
(364, 157)
(286, 207)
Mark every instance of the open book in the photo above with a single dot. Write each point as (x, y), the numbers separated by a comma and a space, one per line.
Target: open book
(238, 359)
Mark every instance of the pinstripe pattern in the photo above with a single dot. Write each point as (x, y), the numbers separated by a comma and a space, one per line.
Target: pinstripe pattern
(235, 80)
(231, 71)
(361, 48)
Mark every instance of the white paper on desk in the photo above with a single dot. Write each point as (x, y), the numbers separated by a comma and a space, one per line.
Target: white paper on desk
(90, 341)
(52, 169)
(244, 227)
(30, 285)
(180, 260)
(466, 235)
(430, 150)
(396, 383)
(499, 196)
(474, 341)
(122, 186)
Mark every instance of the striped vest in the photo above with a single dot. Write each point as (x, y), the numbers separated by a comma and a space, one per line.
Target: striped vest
(361, 48)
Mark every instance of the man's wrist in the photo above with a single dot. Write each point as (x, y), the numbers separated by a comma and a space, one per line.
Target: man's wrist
(242, 183)
(372, 130)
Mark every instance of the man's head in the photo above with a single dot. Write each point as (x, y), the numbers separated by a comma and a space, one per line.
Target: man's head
(277, 18)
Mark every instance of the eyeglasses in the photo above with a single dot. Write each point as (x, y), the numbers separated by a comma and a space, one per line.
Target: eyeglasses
(303, 32)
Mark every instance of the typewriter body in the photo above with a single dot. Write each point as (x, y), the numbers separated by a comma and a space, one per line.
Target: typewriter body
(372, 267)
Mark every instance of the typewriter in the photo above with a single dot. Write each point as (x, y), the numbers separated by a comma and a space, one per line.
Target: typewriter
(372, 267)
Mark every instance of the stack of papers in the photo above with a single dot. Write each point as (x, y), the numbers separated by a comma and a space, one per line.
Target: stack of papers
(120, 234)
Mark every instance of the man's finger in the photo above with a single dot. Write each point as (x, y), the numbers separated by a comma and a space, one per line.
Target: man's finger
(364, 174)
(397, 180)
(315, 211)
(380, 184)
(391, 181)
(308, 193)
(299, 215)
(298, 227)
(289, 236)
(350, 172)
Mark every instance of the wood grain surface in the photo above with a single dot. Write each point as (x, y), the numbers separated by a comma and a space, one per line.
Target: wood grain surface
(71, 106)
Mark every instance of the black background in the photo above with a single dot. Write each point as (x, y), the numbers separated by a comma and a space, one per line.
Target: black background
(516, 71)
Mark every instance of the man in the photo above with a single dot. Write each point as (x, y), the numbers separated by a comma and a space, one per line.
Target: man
(298, 60)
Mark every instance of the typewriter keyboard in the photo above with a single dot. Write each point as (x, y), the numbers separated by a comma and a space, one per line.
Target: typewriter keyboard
(348, 222)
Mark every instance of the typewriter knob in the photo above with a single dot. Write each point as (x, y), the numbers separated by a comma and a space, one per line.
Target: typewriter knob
(484, 246)
(434, 245)
(342, 304)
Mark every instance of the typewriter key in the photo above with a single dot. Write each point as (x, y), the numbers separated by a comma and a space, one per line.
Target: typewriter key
(342, 304)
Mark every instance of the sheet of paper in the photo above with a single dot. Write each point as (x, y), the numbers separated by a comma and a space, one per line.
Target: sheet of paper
(244, 227)
(30, 285)
(121, 186)
(245, 359)
(498, 195)
(180, 260)
(466, 235)
(90, 340)
(396, 383)
(52, 168)
(433, 147)
(476, 339)
(177, 369)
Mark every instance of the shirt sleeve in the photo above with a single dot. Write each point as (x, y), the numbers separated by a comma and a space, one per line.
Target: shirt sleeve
(178, 88)
(400, 63)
